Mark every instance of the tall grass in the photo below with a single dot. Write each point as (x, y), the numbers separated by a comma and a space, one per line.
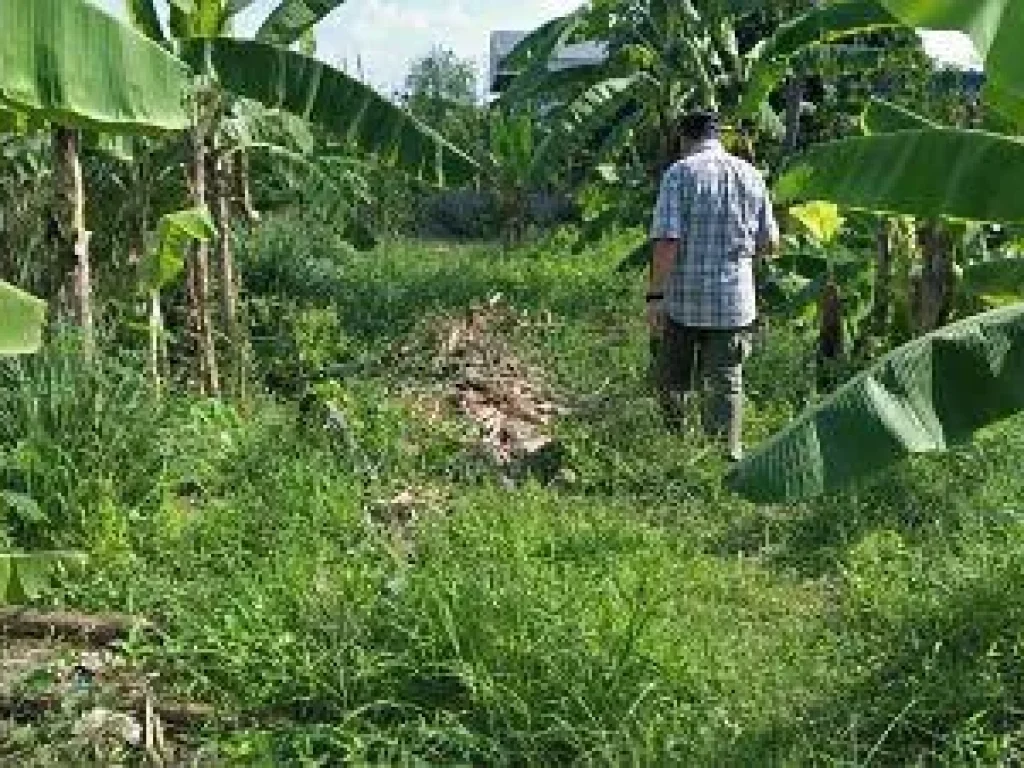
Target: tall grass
(631, 612)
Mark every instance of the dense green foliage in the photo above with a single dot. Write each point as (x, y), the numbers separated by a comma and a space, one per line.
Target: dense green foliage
(320, 467)
(630, 611)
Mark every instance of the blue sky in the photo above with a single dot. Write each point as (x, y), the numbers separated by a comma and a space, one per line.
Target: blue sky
(387, 35)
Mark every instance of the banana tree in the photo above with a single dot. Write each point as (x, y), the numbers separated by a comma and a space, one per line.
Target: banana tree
(926, 396)
(914, 399)
(69, 64)
(675, 55)
(265, 70)
(162, 265)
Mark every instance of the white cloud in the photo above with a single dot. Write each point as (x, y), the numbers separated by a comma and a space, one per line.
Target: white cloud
(388, 35)
(951, 48)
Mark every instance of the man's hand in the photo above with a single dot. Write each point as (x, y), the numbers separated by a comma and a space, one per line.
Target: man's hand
(656, 318)
(665, 251)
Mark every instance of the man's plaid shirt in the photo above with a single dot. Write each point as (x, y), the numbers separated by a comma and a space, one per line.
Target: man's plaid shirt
(718, 207)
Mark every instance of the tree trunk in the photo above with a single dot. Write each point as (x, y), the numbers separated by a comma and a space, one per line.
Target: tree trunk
(199, 319)
(74, 237)
(933, 288)
(233, 379)
(881, 309)
(830, 336)
(156, 344)
(794, 105)
(245, 188)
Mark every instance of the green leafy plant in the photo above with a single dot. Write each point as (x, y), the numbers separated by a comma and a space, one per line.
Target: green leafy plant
(22, 317)
(926, 396)
(25, 575)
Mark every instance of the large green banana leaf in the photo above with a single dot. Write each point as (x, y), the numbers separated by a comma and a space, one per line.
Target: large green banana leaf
(881, 116)
(816, 59)
(175, 233)
(143, 16)
(320, 94)
(830, 22)
(289, 20)
(997, 29)
(926, 396)
(73, 64)
(935, 172)
(589, 111)
(21, 321)
(826, 24)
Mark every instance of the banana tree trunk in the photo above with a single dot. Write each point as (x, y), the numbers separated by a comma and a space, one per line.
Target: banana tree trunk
(245, 187)
(156, 343)
(199, 319)
(74, 246)
(881, 308)
(830, 336)
(933, 289)
(228, 279)
(794, 104)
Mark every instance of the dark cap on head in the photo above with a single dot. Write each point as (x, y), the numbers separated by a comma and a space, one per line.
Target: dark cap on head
(699, 124)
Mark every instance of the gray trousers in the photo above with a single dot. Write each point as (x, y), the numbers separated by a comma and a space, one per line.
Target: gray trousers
(683, 357)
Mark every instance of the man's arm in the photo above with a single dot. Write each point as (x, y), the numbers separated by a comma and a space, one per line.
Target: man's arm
(664, 259)
(767, 231)
(666, 231)
(662, 262)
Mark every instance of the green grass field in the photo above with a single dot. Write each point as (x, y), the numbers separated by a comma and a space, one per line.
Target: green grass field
(627, 611)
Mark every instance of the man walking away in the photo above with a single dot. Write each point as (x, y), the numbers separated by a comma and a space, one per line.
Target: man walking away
(713, 219)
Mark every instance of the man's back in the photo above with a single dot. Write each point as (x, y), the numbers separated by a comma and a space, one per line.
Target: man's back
(717, 207)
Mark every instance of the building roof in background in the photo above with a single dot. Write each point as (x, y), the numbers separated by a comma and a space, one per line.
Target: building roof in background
(566, 56)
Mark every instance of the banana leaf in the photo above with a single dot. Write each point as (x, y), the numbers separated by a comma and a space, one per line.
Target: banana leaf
(926, 396)
(292, 18)
(143, 16)
(72, 64)
(175, 232)
(831, 22)
(24, 575)
(881, 116)
(320, 94)
(21, 321)
(574, 123)
(936, 172)
(996, 27)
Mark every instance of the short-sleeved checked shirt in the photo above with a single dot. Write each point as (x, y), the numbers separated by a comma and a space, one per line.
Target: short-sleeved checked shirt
(718, 207)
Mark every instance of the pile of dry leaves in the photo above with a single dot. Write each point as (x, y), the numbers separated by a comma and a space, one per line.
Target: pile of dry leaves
(487, 382)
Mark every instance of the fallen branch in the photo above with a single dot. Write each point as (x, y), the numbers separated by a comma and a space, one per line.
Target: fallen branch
(94, 629)
(179, 715)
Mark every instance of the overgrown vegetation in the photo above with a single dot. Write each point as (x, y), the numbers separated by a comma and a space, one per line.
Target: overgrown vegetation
(629, 610)
(333, 493)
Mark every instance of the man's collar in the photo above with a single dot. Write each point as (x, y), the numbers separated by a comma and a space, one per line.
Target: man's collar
(706, 145)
